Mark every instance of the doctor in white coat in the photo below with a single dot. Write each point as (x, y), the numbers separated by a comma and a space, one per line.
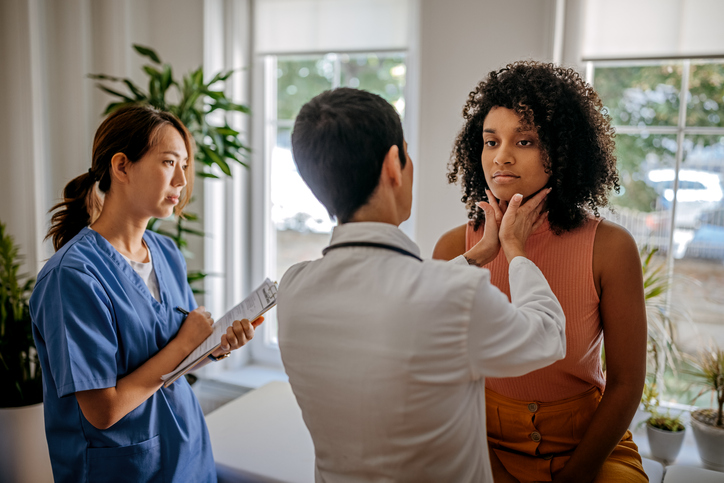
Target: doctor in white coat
(386, 353)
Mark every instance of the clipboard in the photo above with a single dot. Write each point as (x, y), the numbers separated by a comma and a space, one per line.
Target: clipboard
(252, 307)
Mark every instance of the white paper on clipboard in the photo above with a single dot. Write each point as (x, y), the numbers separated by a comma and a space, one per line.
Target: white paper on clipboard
(256, 304)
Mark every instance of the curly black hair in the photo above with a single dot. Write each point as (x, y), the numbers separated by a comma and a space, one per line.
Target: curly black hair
(576, 137)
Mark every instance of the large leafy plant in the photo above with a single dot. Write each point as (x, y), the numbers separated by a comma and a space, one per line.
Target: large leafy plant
(202, 106)
(20, 375)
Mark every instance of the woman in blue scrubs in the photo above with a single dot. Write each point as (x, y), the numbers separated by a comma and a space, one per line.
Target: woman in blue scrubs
(104, 317)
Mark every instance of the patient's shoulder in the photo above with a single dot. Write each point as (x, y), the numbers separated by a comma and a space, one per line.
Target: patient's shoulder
(450, 244)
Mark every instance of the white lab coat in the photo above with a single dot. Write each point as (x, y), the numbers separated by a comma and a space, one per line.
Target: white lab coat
(387, 356)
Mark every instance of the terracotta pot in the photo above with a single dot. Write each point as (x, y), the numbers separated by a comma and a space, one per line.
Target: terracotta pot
(665, 445)
(23, 448)
(709, 440)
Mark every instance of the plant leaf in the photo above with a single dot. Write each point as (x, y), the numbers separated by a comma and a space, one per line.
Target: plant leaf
(140, 95)
(204, 174)
(115, 93)
(166, 78)
(104, 77)
(216, 159)
(147, 52)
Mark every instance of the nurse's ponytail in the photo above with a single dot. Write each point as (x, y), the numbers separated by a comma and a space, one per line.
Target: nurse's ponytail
(80, 207)
(131, 131)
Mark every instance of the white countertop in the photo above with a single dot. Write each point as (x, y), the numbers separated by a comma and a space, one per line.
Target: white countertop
(261, 436)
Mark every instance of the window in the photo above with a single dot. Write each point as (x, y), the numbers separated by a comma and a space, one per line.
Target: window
(298, 226)
(669, 119)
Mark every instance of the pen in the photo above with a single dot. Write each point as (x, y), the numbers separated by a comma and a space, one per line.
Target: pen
(183, 311)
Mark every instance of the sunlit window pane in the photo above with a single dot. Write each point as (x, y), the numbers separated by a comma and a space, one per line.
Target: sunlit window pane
(640, 95)
(646, 166)
(700, 219)
(672, 199)
(300, 225)
(705, 104)
(299, 79)
(383, 75)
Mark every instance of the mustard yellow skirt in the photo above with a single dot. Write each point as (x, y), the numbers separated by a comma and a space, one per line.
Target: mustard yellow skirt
(534, 440)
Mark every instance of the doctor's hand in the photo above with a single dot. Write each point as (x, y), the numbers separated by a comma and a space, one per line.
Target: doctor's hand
(237, 335)
(197, 326)
(488, 247)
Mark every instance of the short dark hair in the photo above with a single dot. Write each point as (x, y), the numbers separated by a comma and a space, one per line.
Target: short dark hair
(339, 142)
(575, 132)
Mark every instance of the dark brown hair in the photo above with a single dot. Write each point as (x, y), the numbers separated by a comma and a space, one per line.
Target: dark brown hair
(132, 131)
(577, 140)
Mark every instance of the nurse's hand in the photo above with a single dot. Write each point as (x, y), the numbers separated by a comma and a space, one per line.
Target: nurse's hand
(196, 328)
(237, 335)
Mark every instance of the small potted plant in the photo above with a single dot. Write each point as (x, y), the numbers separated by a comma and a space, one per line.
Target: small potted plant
(665, 432)
(24, 455)
(708, 424)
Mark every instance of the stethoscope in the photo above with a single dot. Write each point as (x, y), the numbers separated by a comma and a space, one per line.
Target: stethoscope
(371, 245)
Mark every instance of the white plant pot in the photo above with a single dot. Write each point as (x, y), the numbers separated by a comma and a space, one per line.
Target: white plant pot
(664, 445)
(709, 442)
(23, 448)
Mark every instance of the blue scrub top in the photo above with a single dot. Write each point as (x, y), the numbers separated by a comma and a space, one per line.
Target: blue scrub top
(94, 321)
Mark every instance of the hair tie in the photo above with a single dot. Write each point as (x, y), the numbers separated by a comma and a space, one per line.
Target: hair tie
(92, 175)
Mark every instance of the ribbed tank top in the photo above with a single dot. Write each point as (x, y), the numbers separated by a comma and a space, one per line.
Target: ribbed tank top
(566, 260)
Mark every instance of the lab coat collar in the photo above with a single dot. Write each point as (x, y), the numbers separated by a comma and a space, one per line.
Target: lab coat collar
(369, 231)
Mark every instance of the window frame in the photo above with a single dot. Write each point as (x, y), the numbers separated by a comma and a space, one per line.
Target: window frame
(264, 350)
(681, 130)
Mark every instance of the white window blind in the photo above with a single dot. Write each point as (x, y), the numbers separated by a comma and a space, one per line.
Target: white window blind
(652, 28)
(302, 26)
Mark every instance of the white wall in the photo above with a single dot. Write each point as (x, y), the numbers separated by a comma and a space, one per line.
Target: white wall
(460, 42)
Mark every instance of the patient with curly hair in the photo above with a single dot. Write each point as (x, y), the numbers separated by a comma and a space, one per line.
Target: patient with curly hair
(528, 127)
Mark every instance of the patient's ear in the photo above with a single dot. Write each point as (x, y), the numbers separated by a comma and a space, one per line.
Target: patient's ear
(391, 166)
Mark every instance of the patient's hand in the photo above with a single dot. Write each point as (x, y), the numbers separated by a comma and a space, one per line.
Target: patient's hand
(519, 221)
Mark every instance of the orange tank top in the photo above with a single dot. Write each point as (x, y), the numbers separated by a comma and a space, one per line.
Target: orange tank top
(566, 260)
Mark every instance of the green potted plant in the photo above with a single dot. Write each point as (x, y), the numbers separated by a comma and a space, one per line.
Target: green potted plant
(665, 432)
(708, 424)
(23, 450)
(20, 378)
(202, 106)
